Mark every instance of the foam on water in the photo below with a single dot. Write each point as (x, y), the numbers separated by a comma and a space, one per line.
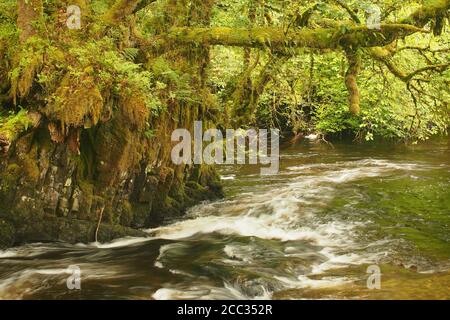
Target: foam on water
(287, 213)
(29, 281)
(29, 250)
(123, 242)
(302, 282)
(227, 292)
(228, 177)
(165, 248)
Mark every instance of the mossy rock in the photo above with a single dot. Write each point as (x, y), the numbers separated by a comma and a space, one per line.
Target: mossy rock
(7, 234)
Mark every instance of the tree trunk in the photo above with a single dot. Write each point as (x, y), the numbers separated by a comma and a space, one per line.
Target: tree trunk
(28, 12)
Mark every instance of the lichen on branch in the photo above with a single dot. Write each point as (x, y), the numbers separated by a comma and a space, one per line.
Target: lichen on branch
(276, 38)
(124, 8)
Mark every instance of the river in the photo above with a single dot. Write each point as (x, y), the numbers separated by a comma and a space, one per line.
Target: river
(310, 232)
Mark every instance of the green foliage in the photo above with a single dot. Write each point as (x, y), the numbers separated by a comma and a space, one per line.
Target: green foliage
(8, 29)
(175, 83)
(304, 93)
(11, 123)
(100, 6)
(305, 96)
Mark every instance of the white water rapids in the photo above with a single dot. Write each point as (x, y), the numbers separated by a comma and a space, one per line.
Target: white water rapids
(269, 235)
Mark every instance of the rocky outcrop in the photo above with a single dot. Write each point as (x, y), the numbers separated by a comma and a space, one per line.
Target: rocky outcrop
(49, 193)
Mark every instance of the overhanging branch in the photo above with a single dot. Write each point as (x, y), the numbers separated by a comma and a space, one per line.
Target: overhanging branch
(123, 8)
(275, 38)
(385, 56)
(345, 35)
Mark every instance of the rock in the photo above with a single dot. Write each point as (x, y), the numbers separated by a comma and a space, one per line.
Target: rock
(63, 207)
(7, 233)
(312, 137)
(52, 201)
(75, 205)
(68, 182)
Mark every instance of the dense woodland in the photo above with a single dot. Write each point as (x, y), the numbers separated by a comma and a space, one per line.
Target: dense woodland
(86, 114)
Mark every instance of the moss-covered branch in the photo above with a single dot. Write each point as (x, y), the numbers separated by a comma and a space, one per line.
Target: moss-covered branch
(385, 56)
(430, 10)
(346, 35)
(123, 8)
(275, 38)
(349, 10)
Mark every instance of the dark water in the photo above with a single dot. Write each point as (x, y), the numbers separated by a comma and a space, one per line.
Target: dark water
(309, 232)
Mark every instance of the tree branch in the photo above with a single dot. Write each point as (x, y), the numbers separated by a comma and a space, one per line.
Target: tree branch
(384, 56)
(345, 35)
(275, 38)
(123, 8)
(437, 67)
(427, 12)
(349, 10)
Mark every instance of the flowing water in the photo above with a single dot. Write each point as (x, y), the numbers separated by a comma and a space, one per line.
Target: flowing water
(310, 232)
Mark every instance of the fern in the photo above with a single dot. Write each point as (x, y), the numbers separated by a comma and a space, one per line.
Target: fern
(130, 53)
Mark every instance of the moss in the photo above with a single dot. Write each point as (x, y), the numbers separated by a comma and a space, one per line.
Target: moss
(76, 103)
(86, 200)
(10, 176)
(27, 158)
(126, 216)
(195, 192)
(95, 98)
(134, 109)
(26, 63)
(262, 37)
(423, 15)
(7, 234)
(119, 149)
(45, 227)
(86, 159)
(30, 165)
(109, 232)
(15, 125)
(27, 75)
(29, 11)
(141, 213)
(110, 214)
(120, 10)
(42, 139)
(354, 67)
(346, 35)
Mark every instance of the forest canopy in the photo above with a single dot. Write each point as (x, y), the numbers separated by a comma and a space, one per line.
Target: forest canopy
(301, 66)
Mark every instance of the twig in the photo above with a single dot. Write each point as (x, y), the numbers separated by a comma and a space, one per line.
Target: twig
(99, 222)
